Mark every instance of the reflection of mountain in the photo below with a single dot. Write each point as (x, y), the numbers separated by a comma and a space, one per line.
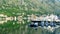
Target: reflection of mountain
(42, 6)
(57, 11)
(32, 6)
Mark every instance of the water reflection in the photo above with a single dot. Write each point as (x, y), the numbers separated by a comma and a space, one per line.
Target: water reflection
(57, 31)
(24, 29)
(13, 27)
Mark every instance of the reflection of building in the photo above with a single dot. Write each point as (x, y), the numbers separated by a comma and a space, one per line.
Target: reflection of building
(19, 18)
(4, 18)
(9, 18)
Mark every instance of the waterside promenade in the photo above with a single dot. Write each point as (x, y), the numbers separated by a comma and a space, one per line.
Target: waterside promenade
(44, 18)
